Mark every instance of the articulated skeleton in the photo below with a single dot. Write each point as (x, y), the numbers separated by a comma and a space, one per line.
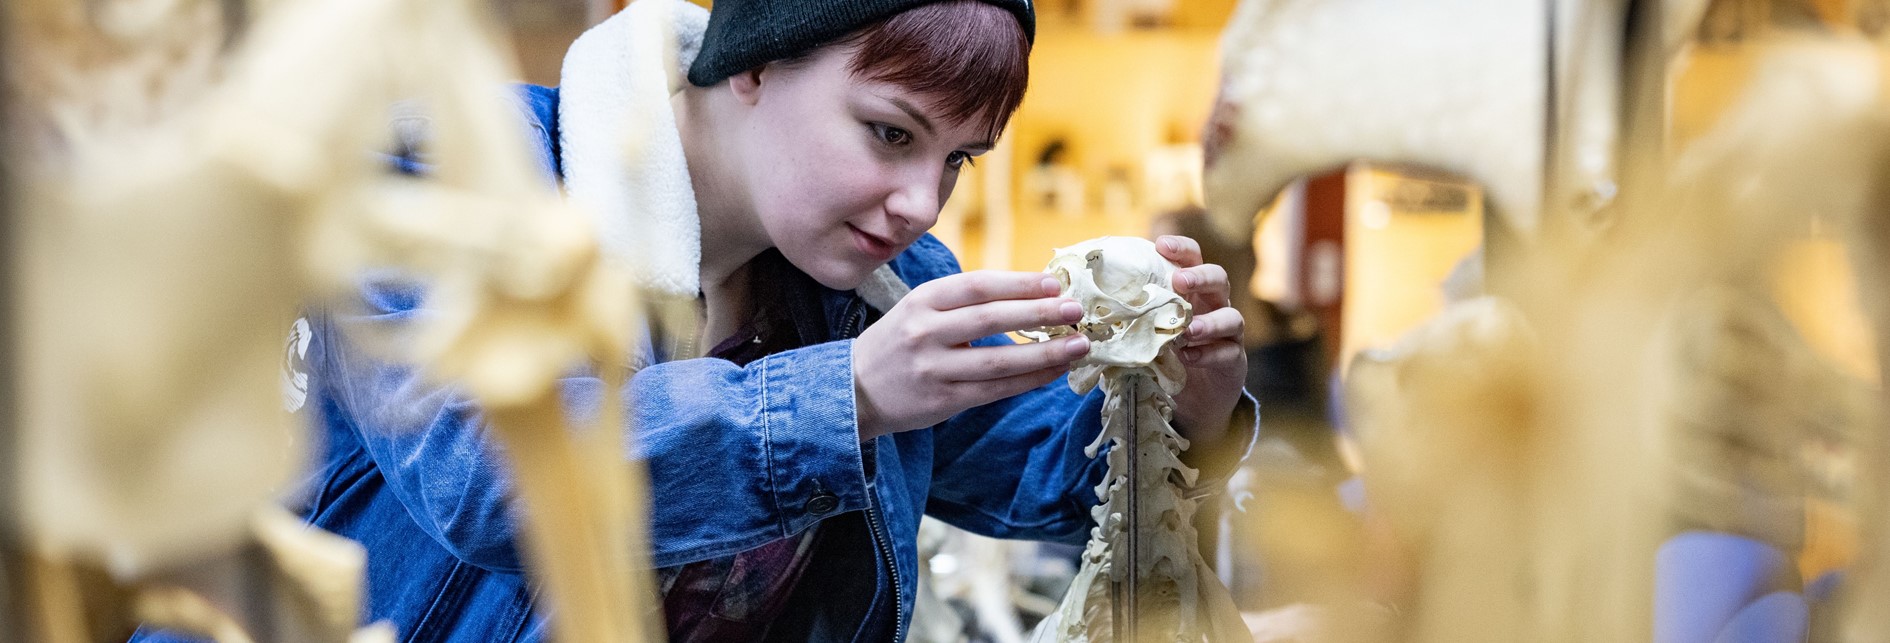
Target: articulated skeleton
(163, 246)
(1569, 136)
(1143, 577)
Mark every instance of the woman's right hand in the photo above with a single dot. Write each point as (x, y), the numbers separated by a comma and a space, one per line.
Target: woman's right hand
(915, 367)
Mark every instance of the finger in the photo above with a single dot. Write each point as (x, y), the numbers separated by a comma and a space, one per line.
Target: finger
(1183, 251)
(965, 289)
(1205, 286)
(985, 392)
(962, 325)
(1214, 354)
(1225, 323)
(981, 363)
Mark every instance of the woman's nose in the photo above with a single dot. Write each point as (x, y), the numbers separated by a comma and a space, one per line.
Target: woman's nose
(916, 201)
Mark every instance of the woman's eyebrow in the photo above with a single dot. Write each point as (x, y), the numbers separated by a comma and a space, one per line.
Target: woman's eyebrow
(926, 123)
(914, 113)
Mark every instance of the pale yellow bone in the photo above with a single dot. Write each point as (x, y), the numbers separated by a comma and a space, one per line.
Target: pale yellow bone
(166, 253)
(1133, 316)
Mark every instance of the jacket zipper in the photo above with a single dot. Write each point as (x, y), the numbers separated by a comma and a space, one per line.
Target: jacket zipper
(854, 318)
(892, 568)
(873, 522)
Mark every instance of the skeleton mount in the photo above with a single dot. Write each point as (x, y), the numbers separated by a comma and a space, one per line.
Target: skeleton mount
(1158, 587)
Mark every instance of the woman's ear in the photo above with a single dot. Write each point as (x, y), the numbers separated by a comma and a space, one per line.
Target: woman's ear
(747, 85)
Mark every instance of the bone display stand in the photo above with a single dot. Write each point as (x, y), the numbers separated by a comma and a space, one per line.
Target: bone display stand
(1142, 577)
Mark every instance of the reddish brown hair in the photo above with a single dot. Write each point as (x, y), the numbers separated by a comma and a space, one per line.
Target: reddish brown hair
(969, 60)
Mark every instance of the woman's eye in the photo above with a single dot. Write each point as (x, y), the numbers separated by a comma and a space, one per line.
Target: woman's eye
(891, 135)
(958, 160)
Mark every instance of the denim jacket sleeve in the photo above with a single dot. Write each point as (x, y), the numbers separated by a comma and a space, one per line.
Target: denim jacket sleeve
(428, 441)
(738, 455)
(744, 455)
(1015, 468)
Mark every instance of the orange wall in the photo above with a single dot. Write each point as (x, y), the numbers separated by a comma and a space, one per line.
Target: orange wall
(1396, 261)
(1114, 98)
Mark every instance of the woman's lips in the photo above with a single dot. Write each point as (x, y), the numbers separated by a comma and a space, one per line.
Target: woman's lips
(877, 248)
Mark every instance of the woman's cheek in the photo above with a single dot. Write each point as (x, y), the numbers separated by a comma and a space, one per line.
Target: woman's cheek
(946, 184)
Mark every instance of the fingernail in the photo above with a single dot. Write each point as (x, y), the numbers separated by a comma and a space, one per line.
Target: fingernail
(1070, 311)
(1186, 279)
(1078, 346)
(1169, 244)
(1051, 286)
(1189, 355)
(1194, 330)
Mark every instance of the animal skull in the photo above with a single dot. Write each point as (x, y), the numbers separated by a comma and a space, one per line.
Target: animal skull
(1131, 313)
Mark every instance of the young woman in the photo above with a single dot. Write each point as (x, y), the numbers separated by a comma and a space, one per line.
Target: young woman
(819, 408)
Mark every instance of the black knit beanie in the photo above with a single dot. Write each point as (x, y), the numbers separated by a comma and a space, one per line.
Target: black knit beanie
(745, 34)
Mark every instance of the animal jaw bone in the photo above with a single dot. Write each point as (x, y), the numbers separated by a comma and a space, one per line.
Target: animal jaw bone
(1133, 316)
(1299, 96)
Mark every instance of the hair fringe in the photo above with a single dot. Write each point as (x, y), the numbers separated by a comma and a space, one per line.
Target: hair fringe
(969, 60)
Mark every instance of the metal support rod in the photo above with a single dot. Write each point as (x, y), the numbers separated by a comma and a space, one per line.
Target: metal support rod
(236, 17)
(1126, 609)
(1644, 97)
(1551, 188)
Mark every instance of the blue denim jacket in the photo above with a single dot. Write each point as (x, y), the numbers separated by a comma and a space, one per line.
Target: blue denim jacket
(738, 457)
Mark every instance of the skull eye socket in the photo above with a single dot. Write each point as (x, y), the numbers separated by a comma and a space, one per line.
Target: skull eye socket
(1141, 298)
(1169, 319)
(1125, 287)
(1093, 262)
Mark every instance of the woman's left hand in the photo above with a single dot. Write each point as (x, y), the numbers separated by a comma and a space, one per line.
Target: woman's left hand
(1211, 347)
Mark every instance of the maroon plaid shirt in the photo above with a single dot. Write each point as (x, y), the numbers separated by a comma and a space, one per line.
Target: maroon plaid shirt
(735, 598)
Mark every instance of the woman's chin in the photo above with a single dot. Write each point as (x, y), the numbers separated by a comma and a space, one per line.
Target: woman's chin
(841, 275)
(843, 282)
(838, 271)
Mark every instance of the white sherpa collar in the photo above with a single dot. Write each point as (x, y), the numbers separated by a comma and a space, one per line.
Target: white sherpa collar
(622, 152)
